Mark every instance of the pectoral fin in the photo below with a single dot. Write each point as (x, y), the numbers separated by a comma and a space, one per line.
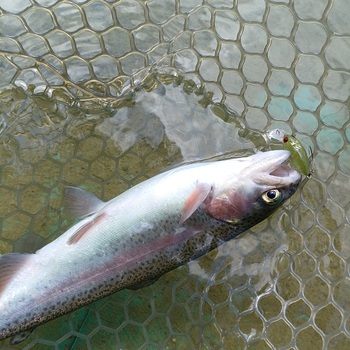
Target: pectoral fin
(196, 198)
(85, 228)
(80, 203)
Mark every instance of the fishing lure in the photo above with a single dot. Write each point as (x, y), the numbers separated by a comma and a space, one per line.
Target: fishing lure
(299, 158)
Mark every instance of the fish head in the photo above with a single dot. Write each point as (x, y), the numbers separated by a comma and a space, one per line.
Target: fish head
(258, 186)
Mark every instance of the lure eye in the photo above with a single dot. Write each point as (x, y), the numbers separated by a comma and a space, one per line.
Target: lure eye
(285, 139)
(272, 196)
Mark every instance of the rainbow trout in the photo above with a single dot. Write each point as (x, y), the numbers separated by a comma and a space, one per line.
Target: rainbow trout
(138, 236)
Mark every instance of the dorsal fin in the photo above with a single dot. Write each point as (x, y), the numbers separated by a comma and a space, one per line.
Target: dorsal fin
(80, 203)
(10, 264)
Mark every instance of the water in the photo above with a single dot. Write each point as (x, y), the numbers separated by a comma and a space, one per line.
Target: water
(103, 109)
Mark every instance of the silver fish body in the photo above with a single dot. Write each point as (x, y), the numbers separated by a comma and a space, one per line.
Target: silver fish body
(138, 236)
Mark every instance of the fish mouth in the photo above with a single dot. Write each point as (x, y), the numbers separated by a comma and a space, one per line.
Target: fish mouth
(272, 169)
(283, 170)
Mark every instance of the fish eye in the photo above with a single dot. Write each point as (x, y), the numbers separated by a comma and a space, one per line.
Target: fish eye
(272, 196)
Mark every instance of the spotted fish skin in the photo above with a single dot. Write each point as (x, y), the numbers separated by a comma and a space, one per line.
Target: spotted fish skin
(138, 236)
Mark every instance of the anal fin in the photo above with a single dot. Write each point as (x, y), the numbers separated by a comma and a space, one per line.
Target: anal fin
(20, 337)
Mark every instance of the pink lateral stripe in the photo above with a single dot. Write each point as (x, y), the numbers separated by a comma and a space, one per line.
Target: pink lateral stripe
(126, 260)
(129, 258)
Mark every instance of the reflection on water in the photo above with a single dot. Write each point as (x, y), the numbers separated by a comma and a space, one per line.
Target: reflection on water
(169, 112)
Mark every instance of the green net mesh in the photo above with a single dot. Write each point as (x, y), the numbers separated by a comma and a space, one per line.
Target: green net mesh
(104, 94)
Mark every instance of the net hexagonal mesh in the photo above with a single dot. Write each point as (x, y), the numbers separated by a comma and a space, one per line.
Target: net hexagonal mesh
(104, 94)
